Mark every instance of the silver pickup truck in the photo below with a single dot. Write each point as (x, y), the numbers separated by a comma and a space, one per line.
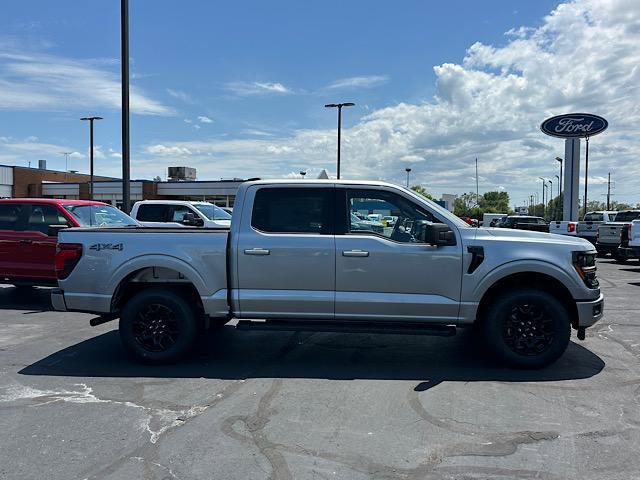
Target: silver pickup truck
(293, 261)
(610, 234)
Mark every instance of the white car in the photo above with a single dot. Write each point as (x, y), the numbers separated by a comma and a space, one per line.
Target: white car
(179, 213)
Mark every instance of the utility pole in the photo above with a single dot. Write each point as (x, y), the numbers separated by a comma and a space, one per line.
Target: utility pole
(124, 62)
(66, 160)
(339, 107)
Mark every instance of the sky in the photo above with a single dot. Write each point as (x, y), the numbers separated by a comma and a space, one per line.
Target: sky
(237, 89)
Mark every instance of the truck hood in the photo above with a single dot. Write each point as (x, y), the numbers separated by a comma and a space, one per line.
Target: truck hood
(525, 236)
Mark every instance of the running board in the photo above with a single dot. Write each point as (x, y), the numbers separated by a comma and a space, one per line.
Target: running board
(388, 328)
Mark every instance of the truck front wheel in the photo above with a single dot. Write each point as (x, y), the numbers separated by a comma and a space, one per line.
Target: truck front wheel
(158, 326)
(526, 328)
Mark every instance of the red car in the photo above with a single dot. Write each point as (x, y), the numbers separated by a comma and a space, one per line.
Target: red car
(28, 234)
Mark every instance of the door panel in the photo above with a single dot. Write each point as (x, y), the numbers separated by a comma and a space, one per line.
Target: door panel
(387, 272)
(10, 260)
(286, 260)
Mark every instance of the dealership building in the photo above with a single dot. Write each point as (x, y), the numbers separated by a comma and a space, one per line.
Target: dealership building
(22, 182)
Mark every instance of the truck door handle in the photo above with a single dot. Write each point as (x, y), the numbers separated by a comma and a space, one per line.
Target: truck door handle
(26, 242)
(257, 251)
(355, 253)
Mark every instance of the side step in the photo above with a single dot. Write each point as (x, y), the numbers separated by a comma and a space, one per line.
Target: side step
(388, 328)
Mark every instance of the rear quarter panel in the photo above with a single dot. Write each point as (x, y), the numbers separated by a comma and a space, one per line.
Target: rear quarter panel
(110, 256)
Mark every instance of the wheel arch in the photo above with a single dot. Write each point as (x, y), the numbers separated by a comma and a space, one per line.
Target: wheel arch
(530, 280)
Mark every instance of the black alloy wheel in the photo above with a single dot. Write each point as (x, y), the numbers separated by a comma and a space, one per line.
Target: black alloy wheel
(528, 329)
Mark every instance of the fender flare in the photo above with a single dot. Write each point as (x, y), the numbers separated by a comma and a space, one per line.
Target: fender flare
(160, 261)
(525, 266)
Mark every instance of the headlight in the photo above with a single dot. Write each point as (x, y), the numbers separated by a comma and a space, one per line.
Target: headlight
(585, 265)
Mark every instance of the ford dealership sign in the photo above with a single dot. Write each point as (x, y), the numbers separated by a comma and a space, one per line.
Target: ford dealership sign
(572, 125)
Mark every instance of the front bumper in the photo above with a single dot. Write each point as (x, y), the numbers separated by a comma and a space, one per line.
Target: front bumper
(57, 300)
(590, 311)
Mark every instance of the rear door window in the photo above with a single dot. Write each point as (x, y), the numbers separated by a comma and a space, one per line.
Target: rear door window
(42, 216)
(152, 213)
(179, 211)
(9, 215)
(294, 210)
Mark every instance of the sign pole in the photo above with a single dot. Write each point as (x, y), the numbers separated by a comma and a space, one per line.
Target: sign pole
(571, 177)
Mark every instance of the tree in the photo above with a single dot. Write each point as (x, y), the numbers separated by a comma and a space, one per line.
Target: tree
(494, 202)
(422, 191)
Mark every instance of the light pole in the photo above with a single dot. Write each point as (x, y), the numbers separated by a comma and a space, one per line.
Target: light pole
(303, 173)
(544, 186)
(560, 160)
(339, 107)
(550, 199)
(124, 66)
(586, 173)
(90, 120)
(559, 194)
(408, 170)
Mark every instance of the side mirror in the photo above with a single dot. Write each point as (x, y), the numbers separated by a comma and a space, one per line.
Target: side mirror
(191, 220)
(438, 234)
(53, 230)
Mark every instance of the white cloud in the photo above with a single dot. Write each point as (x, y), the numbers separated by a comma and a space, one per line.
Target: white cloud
(35, 81)
(257, 88)
(359, 82)
(180, 95)
(204, 119)
(163, 150)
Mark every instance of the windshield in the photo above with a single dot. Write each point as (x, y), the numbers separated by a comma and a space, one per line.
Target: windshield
(212, 212)
(100, 216)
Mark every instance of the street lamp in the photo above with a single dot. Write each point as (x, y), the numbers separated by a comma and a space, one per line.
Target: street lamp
(408, 170)
(560, 179)
(544, 185)
(339, 107)
(559, 195)
(90, 120)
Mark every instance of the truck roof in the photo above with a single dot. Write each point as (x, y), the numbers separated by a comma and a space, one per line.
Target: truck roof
(51, 201)
(175, 202)
(289, 181)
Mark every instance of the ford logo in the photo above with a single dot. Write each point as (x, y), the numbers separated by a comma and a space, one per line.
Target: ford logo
(573, 125)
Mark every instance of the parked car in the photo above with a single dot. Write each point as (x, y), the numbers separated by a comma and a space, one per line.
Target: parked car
(524, 222)
(365, 225)
(588, 226)
(292, 257)
(29, 233)
(178, 213)
(229, 210)
(389, 220)
(492, 219)
(375, 217)
(609, 234)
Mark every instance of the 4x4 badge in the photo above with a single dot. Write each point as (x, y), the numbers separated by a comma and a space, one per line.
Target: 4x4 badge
(106, 246)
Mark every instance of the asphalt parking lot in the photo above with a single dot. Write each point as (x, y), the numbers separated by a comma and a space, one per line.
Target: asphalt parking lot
(257, 405)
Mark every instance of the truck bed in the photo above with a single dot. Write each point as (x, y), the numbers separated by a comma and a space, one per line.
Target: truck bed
(111, 255)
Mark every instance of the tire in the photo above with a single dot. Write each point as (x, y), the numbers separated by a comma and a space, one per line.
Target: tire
(536, 313)
(158, 326)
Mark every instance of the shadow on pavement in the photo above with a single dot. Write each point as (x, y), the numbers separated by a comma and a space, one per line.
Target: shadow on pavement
(25, 298)
(229, 354)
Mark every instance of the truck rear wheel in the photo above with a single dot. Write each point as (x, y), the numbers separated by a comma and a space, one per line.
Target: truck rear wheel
(158, 326)
(526, 328)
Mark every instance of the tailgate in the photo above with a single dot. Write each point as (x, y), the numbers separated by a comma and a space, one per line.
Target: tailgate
(609, 234)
